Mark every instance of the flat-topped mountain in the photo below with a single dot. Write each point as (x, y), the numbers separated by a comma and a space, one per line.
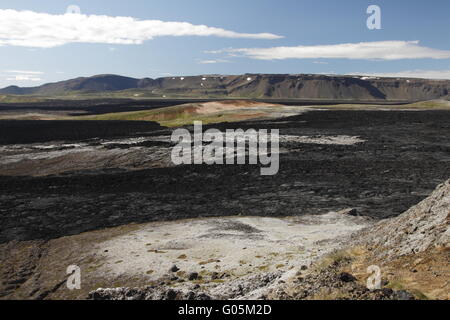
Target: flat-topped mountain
(301, 86)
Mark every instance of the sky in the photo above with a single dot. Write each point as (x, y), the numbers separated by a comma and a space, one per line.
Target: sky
(52, 40)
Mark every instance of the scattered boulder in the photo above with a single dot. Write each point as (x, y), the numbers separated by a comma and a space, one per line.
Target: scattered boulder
(214, 276)
(174, 268)
(148, 293)
(193, 276)
(171, 294)
(403, 295)
(349, 212)
(347, 277)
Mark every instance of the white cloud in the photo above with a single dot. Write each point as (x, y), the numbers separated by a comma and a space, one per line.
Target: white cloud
(42, 30)
(424, 74)
(213, 61)
(380, 50)
(24, 72)
(229, 49)
(24, 77)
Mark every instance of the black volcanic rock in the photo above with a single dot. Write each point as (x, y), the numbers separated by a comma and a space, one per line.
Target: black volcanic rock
(12, 132)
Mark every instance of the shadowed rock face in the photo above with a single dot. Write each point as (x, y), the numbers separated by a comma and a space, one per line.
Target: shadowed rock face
(256, 86)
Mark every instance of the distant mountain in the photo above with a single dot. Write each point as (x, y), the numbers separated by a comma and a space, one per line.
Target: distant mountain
(252, 86)
(97, 83)
(13, 90)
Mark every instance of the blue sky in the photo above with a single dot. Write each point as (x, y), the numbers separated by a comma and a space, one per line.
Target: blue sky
(321, 27)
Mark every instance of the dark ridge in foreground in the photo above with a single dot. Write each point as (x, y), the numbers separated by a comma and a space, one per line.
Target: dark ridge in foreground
(32, 131)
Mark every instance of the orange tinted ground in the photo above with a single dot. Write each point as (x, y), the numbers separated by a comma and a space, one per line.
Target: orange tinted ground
(425, 274)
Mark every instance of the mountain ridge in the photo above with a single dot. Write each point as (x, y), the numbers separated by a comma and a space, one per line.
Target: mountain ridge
(289, 86)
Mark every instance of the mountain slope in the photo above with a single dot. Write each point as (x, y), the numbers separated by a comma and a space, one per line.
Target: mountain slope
(99, 83)
(252, 86)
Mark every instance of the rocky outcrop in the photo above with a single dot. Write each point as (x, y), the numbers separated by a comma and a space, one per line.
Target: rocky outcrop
(331, 283)
(412, 250)
(148, 293)
(424, 226)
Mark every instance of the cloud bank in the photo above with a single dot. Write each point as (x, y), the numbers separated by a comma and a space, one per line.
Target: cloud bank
(42, 30)
(23, 75)
(213, 61)
(423, 74)
(380, 50)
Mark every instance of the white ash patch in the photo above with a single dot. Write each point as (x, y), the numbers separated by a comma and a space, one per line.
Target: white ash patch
(237, 246)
